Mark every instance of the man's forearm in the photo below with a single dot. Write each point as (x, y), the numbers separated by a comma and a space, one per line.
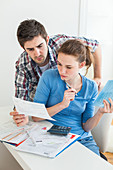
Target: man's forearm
(97, 62)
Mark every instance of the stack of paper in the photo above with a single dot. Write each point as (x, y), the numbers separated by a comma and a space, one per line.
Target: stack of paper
(10, 133)
(43, 143)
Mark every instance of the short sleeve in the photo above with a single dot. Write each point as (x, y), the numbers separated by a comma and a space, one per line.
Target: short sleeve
(89, 111)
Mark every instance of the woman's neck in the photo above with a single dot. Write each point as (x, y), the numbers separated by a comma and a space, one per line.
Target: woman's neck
(76, 83)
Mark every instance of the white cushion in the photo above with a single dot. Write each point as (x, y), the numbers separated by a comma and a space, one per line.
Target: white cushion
(110, 141)
(101, 132)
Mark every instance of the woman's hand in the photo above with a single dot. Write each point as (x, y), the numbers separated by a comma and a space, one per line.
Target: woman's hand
(69, 95)
(19, 119)
(108, 107)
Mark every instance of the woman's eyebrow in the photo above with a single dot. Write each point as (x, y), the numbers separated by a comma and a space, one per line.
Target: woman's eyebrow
(65, 65)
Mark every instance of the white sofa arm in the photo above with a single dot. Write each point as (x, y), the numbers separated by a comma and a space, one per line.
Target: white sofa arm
(102, 130)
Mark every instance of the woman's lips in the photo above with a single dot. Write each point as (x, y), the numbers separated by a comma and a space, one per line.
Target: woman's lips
(63, 76)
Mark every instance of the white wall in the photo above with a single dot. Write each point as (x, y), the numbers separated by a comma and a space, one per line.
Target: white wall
(59, 16)
(97, 23)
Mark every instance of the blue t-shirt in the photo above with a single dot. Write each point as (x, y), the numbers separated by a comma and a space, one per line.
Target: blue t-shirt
(50, 91)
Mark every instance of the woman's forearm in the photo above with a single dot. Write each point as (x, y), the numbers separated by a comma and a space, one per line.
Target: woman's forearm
(92, 122)
(51, 111)
(55, 109)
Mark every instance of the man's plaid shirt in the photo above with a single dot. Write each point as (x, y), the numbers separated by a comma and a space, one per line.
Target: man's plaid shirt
(28, 72)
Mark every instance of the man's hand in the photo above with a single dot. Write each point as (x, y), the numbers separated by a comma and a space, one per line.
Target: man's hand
(99, 83)
(19, 119)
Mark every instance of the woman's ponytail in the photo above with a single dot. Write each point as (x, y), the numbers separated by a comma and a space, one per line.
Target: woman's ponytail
(89, 58)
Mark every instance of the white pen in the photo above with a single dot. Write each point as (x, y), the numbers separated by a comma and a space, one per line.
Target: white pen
(69, 87)
(33, 141)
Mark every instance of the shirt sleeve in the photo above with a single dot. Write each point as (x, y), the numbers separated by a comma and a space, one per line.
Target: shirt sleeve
(22, 86)
(59, 39)
(89, 111)
(93, 44)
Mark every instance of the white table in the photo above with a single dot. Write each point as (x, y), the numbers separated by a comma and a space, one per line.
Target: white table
(75, 157)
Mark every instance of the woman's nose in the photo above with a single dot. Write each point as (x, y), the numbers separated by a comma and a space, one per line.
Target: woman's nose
(63, 70)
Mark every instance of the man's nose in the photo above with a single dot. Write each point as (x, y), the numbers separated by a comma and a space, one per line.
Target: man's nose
(37, 52)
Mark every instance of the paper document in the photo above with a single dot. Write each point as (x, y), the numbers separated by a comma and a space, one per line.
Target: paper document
(10, 133)
(31, 108)
(47, 144)
(107, 92)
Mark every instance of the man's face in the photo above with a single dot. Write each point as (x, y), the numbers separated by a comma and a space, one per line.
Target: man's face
(37, 49)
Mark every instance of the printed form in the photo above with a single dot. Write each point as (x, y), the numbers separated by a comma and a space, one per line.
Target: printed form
(46, 144)
(31, 108)
(107, 92)
(9, 132)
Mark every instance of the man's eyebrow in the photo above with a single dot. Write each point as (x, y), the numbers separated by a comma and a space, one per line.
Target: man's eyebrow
(36, 46)
(40, 43)
(30, 48)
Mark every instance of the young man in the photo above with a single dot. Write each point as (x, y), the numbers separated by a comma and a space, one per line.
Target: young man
(41, 54)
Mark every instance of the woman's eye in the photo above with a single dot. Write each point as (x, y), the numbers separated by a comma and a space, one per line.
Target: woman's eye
(69, 67)
(59, 64)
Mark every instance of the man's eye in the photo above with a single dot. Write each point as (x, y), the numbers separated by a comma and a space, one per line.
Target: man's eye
(39, 46)
(31, 49)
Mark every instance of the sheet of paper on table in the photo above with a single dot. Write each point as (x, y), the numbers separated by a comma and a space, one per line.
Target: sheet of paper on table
(47, 144)
(10, 133)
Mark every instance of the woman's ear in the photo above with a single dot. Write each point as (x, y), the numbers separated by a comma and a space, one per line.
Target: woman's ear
(82, 64)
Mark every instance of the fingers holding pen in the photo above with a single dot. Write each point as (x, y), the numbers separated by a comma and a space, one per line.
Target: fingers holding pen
(14, 113)
(69, 95)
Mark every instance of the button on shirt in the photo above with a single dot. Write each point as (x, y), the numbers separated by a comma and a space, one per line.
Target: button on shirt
(28, 72)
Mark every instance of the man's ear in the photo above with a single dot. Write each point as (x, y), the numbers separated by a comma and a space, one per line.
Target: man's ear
(47, 39)
(82, 64)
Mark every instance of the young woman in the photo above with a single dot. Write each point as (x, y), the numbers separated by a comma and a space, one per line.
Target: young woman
(69, 96)
(72, 106)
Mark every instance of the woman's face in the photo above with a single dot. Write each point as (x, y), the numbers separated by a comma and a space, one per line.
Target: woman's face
(68, 67)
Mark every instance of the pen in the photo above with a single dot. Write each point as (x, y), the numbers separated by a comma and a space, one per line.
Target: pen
(69, 87)
(67, 84)
(33, 141)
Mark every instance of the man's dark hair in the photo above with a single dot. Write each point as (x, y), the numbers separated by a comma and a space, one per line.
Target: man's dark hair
(29, 29)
